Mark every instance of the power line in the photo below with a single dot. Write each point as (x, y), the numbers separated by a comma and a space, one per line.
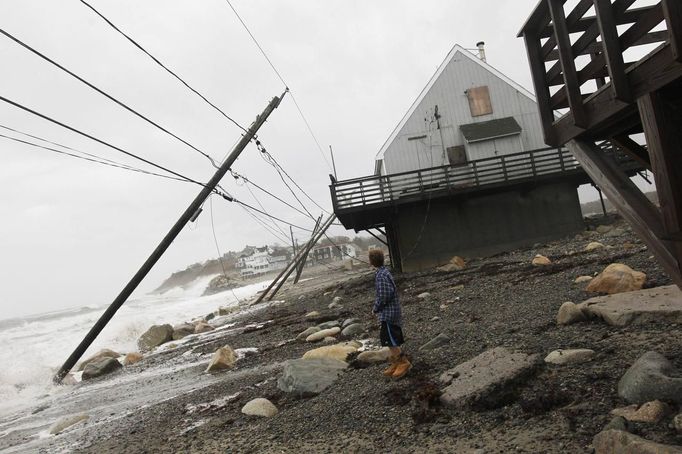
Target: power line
(114, 147)
(257, 44)
(156, 60)
(273, 162)
(108, 96)
(57, 144)
(229, 198)
(263, 208)
(249, 181)
(220, 255)
(298, 107)
(98, 161)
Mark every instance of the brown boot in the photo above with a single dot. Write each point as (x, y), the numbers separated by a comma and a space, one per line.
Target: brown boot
(402, 367)
(393, 361)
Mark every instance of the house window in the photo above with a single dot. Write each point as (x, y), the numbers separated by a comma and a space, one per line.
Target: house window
(479, 101)
(457, 155)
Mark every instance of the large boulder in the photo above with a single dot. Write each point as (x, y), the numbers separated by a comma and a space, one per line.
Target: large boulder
(660, 304)
(572, 356)
(339, 352)
(456, 263)
(436, 342)
(353, 330)
(318, 336)
(132, 358)
(259, 407)
(541, 260)
(593, 246)
(617, 278)
(374, 356)
(652, 412)
(155, 336)
(66, 422)
(651, 377)
(202, 327)
(99, 356)
(223, 358)
(182, 330)
(329, 324)
(99, 368)
(308, 377)
(482, 378)
(569, 313)
(304, 334)
(620, 442)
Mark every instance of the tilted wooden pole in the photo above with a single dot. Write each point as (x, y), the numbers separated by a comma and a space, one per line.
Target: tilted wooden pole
(166, 241)
(301, 263)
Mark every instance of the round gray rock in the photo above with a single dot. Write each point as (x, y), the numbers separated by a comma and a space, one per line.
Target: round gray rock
(651, 377)
(99, 368)
(155, 336)
(353, 330)
(308, 377)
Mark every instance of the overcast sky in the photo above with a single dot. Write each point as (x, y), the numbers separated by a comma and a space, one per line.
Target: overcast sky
(73, 232)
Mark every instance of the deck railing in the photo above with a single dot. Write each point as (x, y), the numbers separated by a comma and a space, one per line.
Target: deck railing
(482, 173)
(574, 55)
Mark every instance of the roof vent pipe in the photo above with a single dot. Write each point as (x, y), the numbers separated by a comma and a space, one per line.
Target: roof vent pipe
(481, 50)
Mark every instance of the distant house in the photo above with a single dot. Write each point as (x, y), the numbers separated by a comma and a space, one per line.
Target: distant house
(465, 172)
(333, 252)
(260, 261)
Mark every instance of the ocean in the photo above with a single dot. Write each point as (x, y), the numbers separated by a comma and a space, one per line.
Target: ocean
(34, 347)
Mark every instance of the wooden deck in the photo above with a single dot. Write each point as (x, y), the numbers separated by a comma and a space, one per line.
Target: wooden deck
(371, 196)
(607, 70)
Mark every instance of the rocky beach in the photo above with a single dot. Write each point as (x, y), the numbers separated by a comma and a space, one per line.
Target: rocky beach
(550, 349)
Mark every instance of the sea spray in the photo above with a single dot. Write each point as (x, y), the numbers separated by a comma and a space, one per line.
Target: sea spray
(35, 346)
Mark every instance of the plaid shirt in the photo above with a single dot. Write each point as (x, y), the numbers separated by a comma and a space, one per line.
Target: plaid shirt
(386, 304)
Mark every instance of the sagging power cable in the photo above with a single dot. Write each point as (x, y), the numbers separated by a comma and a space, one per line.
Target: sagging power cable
(93, 159)
(168, 70)
(248, 181)
(279, 75)
(107, 95)
(229, 198)
(102, 142)
(267, 157)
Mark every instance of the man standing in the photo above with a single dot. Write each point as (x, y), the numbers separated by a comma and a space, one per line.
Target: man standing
(387, 309)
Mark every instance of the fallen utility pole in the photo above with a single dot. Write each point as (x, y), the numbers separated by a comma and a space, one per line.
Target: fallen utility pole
(301, 263)
(293, 264)
(167, 240)
(304, 256)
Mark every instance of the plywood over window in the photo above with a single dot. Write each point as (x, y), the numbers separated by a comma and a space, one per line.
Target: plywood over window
(479, 101)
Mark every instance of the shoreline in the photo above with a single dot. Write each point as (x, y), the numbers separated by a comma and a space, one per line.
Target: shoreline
(168, 403)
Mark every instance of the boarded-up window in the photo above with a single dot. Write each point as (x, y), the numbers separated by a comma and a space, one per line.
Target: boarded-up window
(456, 155)
(479, 101)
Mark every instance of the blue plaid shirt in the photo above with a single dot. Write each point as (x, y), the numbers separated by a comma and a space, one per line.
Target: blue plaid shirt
(386, 304)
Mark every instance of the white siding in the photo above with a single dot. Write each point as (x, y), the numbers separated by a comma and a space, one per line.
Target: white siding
(448, 92)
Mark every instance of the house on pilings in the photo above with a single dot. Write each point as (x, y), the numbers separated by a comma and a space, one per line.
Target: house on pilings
(465, 172)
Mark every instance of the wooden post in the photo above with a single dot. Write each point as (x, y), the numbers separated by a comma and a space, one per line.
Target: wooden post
(662, 124)
(672, 9)
(539, 74)
(612, 50)
(642, 215)
(566, 58)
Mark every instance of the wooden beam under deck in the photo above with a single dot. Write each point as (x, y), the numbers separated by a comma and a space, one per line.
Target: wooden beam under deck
(662, 125)
(642, 215)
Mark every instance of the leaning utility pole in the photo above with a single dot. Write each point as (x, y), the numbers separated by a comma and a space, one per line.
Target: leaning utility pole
(167, 240)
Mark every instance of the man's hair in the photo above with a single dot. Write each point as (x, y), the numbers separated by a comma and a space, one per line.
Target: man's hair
(376, 257)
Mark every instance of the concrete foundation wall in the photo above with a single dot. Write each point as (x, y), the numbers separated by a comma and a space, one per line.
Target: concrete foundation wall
(484, 225)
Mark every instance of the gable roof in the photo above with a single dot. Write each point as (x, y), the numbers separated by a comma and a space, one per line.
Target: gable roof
(451, 55)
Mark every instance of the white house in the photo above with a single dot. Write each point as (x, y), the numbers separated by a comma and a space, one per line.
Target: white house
(467, 111)
(260, 261)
